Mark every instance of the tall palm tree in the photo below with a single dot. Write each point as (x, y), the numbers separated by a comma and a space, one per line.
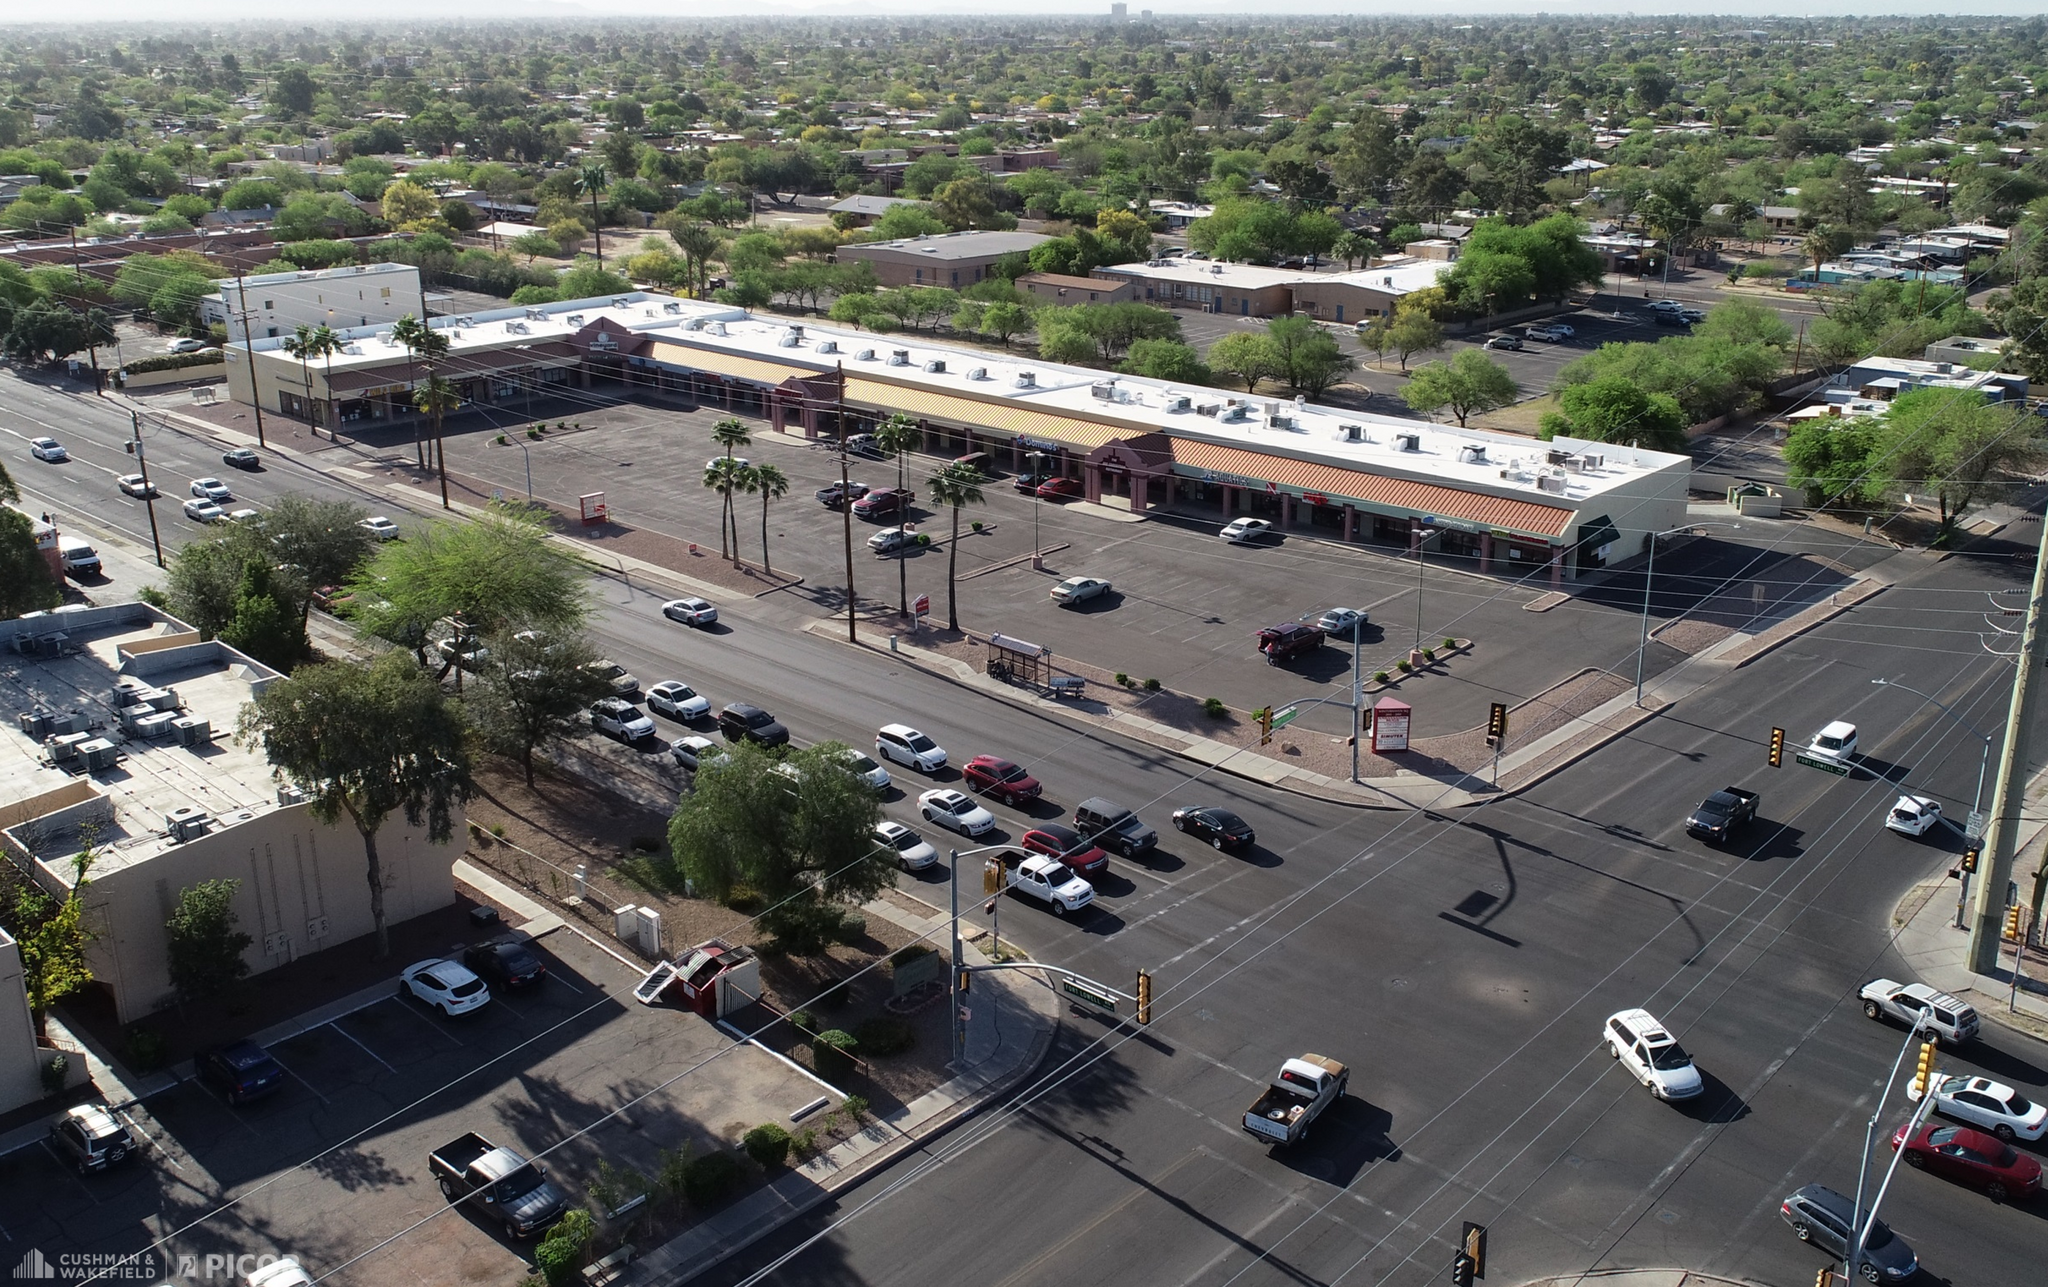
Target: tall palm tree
(896, 436)
(726, 476)
(300, 345)
(729, 433)
(326, 344)
(698, 243)
(773, 485)
(437, 397)
(591, 181)
(954, 486)
(1821, 245)
(419, 341)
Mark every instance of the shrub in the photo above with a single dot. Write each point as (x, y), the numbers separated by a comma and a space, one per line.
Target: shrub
(560, 1254)
(146, 1050)
(175, 361)
(501, 440)
(768, 1145)
(1123, 680)
(885, 1035)
(1214, 708)
(1449, 643)
(905, 955)
(924, 538)
(977, 525)
(832, 1054)
(855, 1107)
(533, 433)
(1150, 685)
(710, 1179)
(671, 1169)
(53, 1073)
(802, 1021)
(1380, 676)
(498, 830)
(1406, 666)
(1429, 654)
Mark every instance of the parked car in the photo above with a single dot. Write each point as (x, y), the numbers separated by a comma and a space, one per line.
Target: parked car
(862, 444)
(693, 753)
(1079, 589)
(244, 515)
(240, 1071)
(980, 462)
(1692, 316)
(185, 345)
(956, 812)
(1677, 320)
(905, 745)
(1245, 531)
(1512, 343)
(241, 458)
(285, 1271)
(991, 775)
(136, 485)
(745, 720)
(204, 511)
(512, 1190)
(1980, 1160)
(1667, 306)
(1828, 1220)
(833, 495)
(91, 1138)
(1075, 853)
(617, 717)
(1342, 623)
(48, 450)
(910, 851)
(1220, 827)
(1288, 640)
(678, 701)
(212, 489)
(380, 527)
(1551, 334)
(449, 986)
(1986, 1105)
(891, 539)
(1652, 1055)
(1029, 483)
(881, 504)
(507, 962)
(1053, 489)
(1913, 815)
(862, 765)
(1113, 827)
(615, 676)
(690, 610)
(1049, 881)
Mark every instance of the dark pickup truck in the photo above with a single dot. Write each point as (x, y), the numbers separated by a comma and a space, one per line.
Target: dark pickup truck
(1721, 813)
(514, 1191)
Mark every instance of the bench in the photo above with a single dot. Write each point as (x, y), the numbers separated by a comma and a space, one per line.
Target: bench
(1066, 686)
(609, 1268)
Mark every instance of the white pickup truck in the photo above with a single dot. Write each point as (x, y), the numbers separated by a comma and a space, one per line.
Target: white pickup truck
(1918, 1006)
(1048, 880)
(1300, 1092)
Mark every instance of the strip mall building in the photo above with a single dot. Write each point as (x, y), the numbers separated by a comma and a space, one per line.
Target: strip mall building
(1504, 503)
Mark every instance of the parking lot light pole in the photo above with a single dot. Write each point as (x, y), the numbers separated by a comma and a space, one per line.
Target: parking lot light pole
(529, 466)
(1037, 459)
(1983, 770)
(1649, 573)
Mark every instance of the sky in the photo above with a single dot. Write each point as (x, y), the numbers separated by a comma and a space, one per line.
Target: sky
(357, 11)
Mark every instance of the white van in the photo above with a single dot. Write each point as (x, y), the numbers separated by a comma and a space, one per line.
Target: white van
(77, 556)
(1836, 743)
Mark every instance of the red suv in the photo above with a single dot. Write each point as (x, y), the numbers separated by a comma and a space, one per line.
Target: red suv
(879, 504)
(1064, 843)
(1288, 641)
(991, 776)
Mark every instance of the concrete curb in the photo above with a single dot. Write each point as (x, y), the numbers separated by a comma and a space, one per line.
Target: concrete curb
(1642, 1278)
(1865, 587)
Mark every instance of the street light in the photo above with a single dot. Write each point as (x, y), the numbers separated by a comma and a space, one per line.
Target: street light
(1983, 763)
(1037, 459)
(1650, 571)
(529, 466)
(953, 983)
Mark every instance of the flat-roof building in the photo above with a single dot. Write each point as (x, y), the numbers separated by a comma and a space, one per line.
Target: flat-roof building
(950, 259)
(271, 304)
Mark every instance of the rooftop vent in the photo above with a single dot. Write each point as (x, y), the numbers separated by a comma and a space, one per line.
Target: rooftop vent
(865, 355)
(1472, 453)
(574, 319)
(716, 328)
(977, 373)
(672, 308)
(465, 320)
(620, 301)
(899, 357)
(790, 338)
(828, 346)
(937, 366)
(694, 324)
(517, 328)
(1407, 442)
(1351, 433)
(1026, 380)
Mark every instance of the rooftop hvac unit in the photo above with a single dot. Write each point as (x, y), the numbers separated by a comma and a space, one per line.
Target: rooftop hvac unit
(36, 723)
(186, 822)
(574, 319)
(518, 328)
(465, 320)
(1179, 402)
(1555, 457)
(937, 366)
(1232, 414)
(1550, 483)
(68, 722)
(1280, 422)
(193, 731)
(828, 346)
(1027, 379)
(99, 755)
(532, 315)
(1594, 460)
(1300, 402)
(716, 328)
(1272, 408)
(977, 373)
(1472, 453)
(789, 338)
(156, 724)
(163, 699)
(694, 324)
(288, 795)
(899, 357)
(1103, 389)
(1208, 409)
(672, 308)
(796, 330)
(1352, 433)
(64, 746)
(1407, 442)
(865, 355)
(620, 301)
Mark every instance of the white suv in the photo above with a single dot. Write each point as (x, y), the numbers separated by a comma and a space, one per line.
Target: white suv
(1653, 1055)
(622, 719)
(905, 745)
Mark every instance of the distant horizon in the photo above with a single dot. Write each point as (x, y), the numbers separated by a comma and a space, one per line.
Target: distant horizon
(380, 12)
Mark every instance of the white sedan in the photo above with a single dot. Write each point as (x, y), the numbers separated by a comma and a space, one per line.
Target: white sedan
(694, 753)
(212, 489)
(1987, 1105)
(136, 485)
(380, 527)
(955, 811)
(1243, 531)
(48, 449)
(204, 511)
(449, 986)
(1079, 589)
(891, 538)
(691, 611)
(677, 700)
(1913, 815)
(913, 852)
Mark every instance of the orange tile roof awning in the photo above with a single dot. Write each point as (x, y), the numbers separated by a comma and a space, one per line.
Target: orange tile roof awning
(1083, 435)
(1401, 495)
(719, 362)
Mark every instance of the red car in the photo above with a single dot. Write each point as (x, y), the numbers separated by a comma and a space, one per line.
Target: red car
(889, 500)
(1972, 1157)
(991, 776)
(1059, 489)
(1064, 843)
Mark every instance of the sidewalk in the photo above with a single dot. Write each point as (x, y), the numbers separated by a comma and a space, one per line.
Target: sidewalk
(1934, 950)
(1641, 1278)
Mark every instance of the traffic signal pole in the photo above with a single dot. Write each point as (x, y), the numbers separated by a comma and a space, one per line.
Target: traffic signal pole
(1924, 1069)
(2006, 801)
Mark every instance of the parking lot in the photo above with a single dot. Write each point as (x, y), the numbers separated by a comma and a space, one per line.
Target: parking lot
(335, 1164)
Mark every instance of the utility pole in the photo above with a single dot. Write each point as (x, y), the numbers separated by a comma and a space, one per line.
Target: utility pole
(249, 345)
(852, 634)
(2007, 800)
(148, 492)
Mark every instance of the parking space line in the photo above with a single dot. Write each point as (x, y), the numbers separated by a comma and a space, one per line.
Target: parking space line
(154, 1143)
(404, 1004)
(336, 1025)
(64, 1165)
(224, 1102)
(301, 1080)
(553, 978)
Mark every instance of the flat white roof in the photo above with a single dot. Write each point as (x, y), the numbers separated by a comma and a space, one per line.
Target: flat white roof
(1396, 277)
(1204, 272)
(326, 274)
(957, 245)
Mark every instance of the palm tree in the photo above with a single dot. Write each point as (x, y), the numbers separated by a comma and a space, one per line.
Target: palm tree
(954, 486)
(423, 342)
(773, 485)
(1821, 245)
(591, 181)
(698, 242)
(326, 344)
(300, 345)
(896, 436)
(1351, 247)
(437, 397)
(729, 433)
(725, 476)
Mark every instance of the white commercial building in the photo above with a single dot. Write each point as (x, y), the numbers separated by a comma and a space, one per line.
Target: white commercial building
(274, 304)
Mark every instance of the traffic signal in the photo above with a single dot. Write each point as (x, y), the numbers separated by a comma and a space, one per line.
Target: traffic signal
(1461, 1270)
(1144, 997)
(1970, 859)
(965, 974)
(1777, 747)
(1264, 715)
(1475, 1247)
(1497, 724)
(992, 877)
(1923, 1071)
(1826, 1277)
(2012, 923)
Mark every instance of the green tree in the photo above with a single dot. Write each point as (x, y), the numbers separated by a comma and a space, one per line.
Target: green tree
(773, 485)
(698, 243)
(1830, 458)
(366, 742)
(51, 935)
(897, 436)
(955, 486)
(1004, 320)
(205, 943)
(437, 397)
(1310, 360)
(1166, 360)
(537, 689)
(1469, 384)
(799, 841)
(265, 624)
(730, 434)
(1618, 410)
(1249, 356)
(502, 565)
(1953, 445)
(292, 92)
(1376, 336)
(26, 584)
(1414, 330)
(591, 181)
(406, 202)
(901, 223)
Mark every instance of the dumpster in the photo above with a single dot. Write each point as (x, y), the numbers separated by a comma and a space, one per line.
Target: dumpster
(713, 979)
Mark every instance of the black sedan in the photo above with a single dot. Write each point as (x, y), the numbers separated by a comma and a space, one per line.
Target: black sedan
(506, 962)
(241, 458)
(1220, 827)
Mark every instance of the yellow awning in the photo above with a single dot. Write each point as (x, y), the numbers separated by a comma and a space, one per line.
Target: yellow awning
(717, 362)
(1005, 417)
